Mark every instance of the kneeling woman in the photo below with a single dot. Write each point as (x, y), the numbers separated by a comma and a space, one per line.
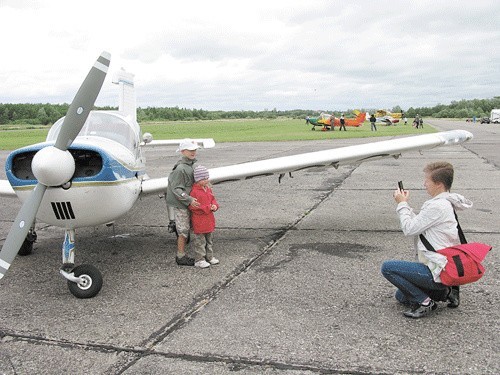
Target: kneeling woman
(418, 283)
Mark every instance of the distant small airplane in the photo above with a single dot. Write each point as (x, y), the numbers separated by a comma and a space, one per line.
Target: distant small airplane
(385, 112)
(325, 120)
(386, 117)
(387, 120)
(91, 170)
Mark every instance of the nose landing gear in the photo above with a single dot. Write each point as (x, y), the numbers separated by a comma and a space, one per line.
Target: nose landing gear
(84, 281)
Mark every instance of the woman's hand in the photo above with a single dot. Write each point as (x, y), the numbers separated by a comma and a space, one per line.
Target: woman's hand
(401, 195)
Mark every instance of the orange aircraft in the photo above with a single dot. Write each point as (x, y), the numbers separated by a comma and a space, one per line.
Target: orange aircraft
(325, 120)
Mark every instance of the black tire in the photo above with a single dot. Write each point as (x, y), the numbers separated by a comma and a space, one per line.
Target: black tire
(26, 248)
(92, 282)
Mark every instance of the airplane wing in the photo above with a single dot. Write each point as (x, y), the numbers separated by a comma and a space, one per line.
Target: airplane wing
(205, 143)
(6, 190)
(332, 157)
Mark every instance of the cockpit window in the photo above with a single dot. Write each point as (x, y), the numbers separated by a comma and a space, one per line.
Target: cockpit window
(101, 124)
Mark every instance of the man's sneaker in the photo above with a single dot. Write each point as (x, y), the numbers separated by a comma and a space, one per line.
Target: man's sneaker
(421, 310)
(213, 261)
(202, 264)
(184, 261)
(453, 297)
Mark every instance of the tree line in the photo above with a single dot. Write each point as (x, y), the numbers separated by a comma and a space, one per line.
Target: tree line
(36, 114)
(458, 109)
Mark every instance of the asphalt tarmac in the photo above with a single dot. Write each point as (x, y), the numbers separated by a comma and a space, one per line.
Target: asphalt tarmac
(298, 289)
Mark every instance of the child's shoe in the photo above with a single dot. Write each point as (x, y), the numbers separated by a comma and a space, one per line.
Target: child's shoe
(213, 261)
(202, 264)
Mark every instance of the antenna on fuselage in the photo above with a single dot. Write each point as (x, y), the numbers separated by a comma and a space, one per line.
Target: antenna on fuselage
(127, 103)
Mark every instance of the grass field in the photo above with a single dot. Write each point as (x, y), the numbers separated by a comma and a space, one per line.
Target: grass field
(225, 131)
(15, 138)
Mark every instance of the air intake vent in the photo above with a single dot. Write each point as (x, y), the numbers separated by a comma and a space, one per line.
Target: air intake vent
(63, 210)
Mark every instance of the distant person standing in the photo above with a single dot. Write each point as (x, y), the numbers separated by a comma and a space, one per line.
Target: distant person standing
(421, 122)
(332, 122)
(405, 120)
(342, 122)
(373, 120)
(416, 121)
(203, 219)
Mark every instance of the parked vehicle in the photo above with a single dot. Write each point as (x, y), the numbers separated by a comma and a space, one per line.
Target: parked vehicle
(485, 120)
(495, 116)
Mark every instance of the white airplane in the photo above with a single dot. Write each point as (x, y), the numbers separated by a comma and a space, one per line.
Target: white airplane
(91, 170)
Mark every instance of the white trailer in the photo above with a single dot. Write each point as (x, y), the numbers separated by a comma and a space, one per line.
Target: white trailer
(495, 116)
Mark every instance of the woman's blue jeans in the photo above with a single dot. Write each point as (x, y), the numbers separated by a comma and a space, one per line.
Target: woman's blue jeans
(414, 282)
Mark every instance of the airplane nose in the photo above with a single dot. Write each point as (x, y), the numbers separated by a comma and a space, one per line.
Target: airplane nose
(52, 166)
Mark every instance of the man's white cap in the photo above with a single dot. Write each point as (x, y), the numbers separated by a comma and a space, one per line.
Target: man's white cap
(188, 144)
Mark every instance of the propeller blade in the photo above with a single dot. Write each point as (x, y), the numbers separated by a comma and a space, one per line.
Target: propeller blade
(20, 228)
(83, 102)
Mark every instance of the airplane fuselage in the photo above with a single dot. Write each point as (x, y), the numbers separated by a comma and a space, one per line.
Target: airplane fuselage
(109, 168)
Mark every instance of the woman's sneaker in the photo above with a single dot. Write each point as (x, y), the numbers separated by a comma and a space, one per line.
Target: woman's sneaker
(421, 310)
(202, 264)
(213, 261)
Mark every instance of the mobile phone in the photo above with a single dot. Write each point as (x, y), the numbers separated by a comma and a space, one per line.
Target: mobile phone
(400, 185)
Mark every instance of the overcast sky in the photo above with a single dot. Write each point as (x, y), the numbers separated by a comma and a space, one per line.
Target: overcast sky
(255, 55)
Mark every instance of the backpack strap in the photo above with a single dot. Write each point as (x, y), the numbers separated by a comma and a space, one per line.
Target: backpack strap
(461, 235)
(460, 231)
(426, 243)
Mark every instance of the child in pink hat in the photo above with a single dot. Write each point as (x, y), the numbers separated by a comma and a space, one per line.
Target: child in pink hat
(203, 219)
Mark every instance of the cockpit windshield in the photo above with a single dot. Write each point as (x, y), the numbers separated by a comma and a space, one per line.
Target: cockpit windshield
(102, 124)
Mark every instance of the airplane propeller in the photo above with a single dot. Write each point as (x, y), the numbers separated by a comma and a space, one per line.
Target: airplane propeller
(58, 155)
